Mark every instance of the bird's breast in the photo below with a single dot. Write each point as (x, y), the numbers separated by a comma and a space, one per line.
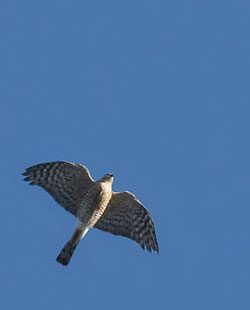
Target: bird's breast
(94, 205)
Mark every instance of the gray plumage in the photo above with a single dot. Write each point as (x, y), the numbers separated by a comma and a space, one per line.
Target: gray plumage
(94, 204)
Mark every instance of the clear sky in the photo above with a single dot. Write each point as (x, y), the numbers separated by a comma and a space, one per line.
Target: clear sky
(156, 92)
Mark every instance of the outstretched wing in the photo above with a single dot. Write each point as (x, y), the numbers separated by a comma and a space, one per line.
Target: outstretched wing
(66, 182)
(126, 216)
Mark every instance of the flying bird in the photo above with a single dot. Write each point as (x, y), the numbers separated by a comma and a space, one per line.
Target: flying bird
(94, 204)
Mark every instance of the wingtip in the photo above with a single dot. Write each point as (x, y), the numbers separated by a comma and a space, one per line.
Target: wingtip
(27, 179)
(154, 249)
(151, 248)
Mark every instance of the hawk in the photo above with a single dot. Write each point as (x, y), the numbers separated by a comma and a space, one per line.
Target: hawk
(94, 204)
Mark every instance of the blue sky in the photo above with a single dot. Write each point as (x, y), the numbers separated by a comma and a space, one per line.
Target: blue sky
(156, 92)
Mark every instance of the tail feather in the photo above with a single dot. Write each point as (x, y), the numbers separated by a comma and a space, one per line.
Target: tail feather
(68, 250)
(66, 253)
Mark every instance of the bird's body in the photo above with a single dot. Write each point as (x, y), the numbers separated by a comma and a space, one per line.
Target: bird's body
(94, 204)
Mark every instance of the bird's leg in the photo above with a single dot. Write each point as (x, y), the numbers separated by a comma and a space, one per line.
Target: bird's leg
(66, 253)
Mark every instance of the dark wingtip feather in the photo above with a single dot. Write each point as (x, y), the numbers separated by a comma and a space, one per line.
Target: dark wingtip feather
(28, 177)
(157, 249)
(143, 246)
(152, 244)
(156, 246)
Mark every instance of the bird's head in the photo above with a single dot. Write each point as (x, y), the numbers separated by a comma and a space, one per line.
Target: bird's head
(107, 178)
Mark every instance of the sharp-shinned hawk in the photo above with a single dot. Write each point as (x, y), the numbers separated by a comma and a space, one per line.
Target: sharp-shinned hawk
(94, 205)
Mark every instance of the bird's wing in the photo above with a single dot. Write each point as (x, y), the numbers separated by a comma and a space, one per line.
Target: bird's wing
(126, 216)
(66, 182)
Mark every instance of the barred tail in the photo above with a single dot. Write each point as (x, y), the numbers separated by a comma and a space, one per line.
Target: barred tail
(66, 253)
